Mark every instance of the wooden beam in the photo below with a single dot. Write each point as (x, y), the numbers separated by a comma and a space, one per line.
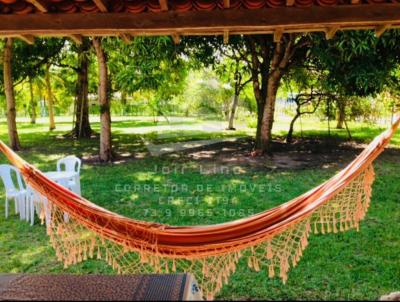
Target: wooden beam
(102, 5)
(29, 39)
(278, 35)
(40, 5)
(355, 1)
(164, 5)
(379, 30)
(330, 32)
(226, 36)
(290, 2)
(176, 38)
(292, 19)
(126, 38)
(76, 38)
(227, 3)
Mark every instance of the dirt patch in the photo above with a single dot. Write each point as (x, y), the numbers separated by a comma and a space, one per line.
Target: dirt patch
(302, 154)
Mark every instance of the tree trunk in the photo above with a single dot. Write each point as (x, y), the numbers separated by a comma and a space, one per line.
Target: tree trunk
(259, 94)
(270, 60)
(226, 111)
(104, 102)
(289, 137)
(233, 112)
(32, 103)
(50, 99)
(82, 127)
(9, 92)
(341, 114)
(263, 141)
(260, 112)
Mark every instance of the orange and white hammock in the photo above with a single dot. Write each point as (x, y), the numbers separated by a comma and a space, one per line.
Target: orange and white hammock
(272, 240)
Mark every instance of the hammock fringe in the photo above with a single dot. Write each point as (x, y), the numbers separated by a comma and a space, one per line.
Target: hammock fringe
(275, 254)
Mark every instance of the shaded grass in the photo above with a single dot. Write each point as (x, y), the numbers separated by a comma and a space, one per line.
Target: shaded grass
(346, 266)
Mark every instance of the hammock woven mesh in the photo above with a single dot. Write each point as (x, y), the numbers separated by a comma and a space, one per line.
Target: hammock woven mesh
(274, 253)
(272, 241)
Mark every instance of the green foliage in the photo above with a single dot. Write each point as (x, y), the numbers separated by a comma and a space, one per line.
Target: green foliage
(203, 51)
(151, 65)
(357, 63)
(207, 94)
(146, 64)
(160, 78)
(27, 60)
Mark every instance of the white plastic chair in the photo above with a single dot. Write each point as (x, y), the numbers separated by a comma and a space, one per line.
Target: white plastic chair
(17, 192)
(71, 164)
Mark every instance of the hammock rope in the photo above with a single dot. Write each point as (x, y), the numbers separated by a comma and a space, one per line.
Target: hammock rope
(272, 241)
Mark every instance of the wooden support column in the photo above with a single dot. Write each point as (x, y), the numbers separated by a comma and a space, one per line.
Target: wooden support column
(227, 3)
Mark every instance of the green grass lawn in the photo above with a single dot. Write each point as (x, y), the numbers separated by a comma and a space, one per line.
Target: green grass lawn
(352, 265)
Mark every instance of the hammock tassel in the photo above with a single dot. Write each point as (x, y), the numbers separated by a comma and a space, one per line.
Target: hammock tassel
(335, 230)
(315, 228)
(328, 225)
(91, 249)
(85, 255)
(270, 254)
(173, 266)
(322, 228)
(256, 264)
(250, 262)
